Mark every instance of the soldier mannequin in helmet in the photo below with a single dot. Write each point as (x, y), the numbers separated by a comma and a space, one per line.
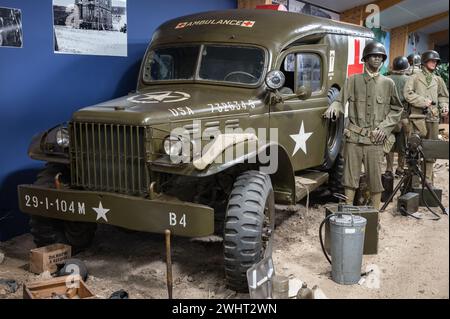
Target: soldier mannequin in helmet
(428, 97)
(374, 110)
(400, 68)
(414, 61)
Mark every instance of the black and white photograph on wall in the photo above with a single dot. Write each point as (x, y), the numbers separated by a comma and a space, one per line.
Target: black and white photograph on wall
(309, 9)
(11, 27)
(93, 27)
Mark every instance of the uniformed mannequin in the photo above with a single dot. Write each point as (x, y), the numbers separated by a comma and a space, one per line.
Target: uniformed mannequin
(415, 62)
(400, 67)
(428, 97)
(374, 110)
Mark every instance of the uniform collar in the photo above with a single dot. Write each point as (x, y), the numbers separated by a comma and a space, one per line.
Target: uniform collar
(367, 76)
(426, 72)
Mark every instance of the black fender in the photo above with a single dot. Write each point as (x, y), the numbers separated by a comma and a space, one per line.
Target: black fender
(43, 147)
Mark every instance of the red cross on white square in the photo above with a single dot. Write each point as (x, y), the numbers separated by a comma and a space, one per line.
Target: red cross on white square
(181, 25)
(248, 24)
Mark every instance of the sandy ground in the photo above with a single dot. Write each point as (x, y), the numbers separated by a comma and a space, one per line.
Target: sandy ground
(413, 259)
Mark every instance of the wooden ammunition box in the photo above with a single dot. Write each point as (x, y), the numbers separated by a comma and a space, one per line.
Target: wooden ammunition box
(48, 257)
(65, 287)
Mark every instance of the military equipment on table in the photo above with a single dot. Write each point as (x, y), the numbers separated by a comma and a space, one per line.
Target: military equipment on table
(223, 79)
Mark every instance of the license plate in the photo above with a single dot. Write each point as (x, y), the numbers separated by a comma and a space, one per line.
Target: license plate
(57, 205)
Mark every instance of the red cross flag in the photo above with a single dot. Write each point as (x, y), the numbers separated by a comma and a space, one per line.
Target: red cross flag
(355, 49)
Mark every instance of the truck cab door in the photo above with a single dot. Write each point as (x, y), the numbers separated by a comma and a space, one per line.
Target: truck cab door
(301, 127)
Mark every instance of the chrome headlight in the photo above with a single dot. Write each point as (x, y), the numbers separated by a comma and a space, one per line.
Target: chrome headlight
(62, 137)
(173, 146)
(275, 80)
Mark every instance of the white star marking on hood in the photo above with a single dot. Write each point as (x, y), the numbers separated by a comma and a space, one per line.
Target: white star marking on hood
(300, 140)
(101, 212)
(160, 97)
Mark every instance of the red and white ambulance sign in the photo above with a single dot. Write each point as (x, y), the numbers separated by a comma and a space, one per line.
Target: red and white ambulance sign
(355, 50)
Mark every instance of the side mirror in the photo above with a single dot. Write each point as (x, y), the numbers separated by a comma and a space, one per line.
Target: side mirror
(303, 92)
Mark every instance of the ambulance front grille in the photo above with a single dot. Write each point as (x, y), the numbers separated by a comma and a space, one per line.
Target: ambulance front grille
(108, 157)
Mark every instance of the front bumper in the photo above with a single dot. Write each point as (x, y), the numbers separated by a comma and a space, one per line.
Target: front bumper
(155, 216)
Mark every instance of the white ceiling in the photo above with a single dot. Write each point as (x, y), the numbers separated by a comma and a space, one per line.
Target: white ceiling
(412, 10)
(338, 5)
(403, 13)
(435, 27)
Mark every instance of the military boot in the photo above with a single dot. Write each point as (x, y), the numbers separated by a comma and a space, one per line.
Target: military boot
(350, 194)
(376, 200)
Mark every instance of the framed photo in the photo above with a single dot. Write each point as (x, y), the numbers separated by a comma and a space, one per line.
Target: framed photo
(94, 27)
(11, 34)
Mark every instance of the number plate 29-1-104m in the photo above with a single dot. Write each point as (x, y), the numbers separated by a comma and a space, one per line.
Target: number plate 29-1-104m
(141, 214)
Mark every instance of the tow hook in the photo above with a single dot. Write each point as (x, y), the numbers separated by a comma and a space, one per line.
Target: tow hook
(58, 181)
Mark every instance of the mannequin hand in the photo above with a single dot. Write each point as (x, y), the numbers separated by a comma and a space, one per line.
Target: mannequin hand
(378, 135)
(331, 113)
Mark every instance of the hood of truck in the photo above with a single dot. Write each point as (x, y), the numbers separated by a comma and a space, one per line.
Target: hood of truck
(171, 103)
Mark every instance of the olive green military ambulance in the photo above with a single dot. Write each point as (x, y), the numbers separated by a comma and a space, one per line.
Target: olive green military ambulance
(225, 122)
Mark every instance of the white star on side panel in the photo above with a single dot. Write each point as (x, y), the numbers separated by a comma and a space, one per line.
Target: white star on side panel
(101, 212)
(300, 139)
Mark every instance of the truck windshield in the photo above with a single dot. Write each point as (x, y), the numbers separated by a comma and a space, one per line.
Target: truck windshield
(232, 64)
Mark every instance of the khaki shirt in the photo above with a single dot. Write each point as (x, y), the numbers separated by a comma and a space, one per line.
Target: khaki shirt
(417, 91)
(373, 103)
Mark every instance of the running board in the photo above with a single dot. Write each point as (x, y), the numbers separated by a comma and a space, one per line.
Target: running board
(307, 182)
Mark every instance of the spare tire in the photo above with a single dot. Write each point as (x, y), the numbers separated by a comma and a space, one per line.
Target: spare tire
(335, 133)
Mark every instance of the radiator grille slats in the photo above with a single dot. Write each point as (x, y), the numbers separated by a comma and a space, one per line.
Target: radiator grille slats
(108, 157)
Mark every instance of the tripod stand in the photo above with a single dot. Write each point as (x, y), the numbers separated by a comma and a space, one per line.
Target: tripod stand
(413, 155)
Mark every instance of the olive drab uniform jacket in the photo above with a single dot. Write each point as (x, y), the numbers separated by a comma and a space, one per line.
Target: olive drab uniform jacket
(417, 90)
(373, 103)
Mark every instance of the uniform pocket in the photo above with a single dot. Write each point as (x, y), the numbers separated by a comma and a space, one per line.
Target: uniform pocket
(381, 109)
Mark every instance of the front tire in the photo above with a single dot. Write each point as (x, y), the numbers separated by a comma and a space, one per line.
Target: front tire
(47, 231)
(249, 225)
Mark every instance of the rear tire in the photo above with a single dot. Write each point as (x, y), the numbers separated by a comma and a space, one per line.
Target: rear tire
(47, 231)
(249, 225)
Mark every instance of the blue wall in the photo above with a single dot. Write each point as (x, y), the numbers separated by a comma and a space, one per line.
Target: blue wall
(39, 89)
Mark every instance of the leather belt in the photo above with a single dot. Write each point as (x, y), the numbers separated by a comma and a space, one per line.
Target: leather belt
(359, 130)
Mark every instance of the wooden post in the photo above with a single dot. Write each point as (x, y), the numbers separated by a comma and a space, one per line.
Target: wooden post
(168, 264)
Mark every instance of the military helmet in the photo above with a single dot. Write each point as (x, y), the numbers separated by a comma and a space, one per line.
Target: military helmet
(430, 55)
(400, 63)
(414, 59)
(374, 47)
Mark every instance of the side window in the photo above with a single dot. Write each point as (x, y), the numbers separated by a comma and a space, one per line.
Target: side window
(309, 71)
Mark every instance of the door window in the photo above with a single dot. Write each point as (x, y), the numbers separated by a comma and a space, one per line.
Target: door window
(309, 71)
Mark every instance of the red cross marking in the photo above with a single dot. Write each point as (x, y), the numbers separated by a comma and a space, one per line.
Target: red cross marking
(357, 67)
(248, 23)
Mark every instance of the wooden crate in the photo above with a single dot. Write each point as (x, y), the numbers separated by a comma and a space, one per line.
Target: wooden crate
(46, 289)
(47, 258)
